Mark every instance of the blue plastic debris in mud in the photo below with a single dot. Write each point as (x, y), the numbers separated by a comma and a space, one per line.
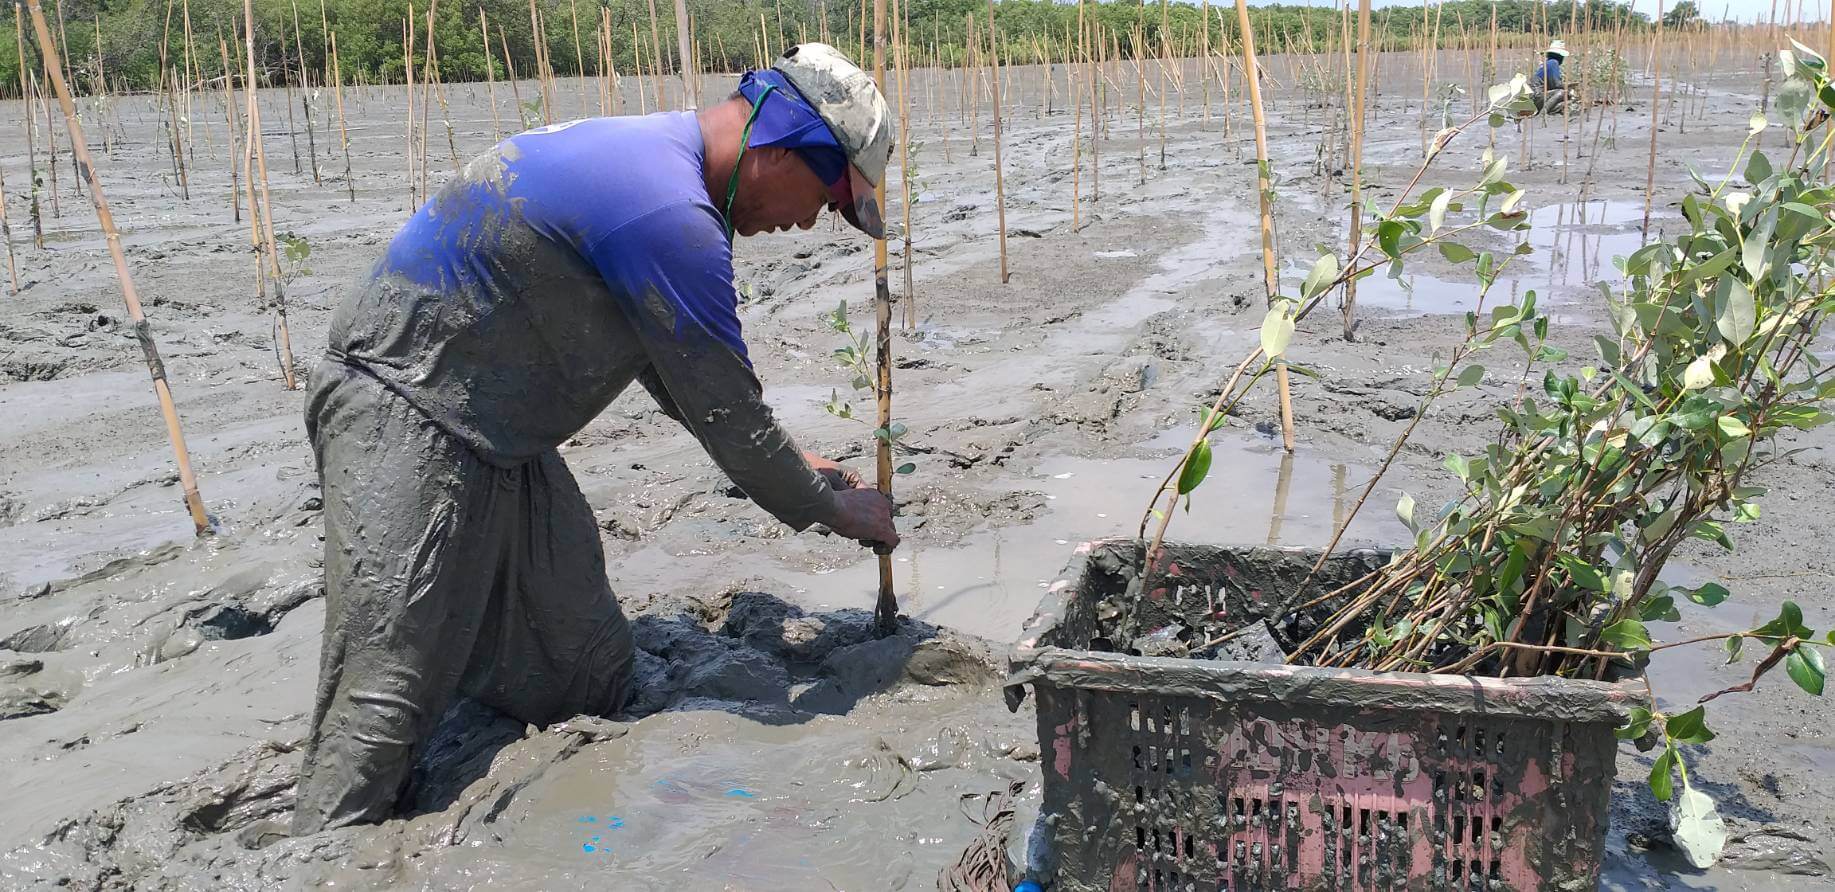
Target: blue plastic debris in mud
(740, 792)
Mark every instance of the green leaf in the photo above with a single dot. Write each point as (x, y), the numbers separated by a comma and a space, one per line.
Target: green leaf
(1455, 252)
(1637, 724)
(1324, 272)
(1805, 668)
(1458, 465)
(1277, 330)
(1404, 509)
(905, 468)
(1696, 827)
(1707, 595)
(1196, 467)
(1626, 634)
(1689, 727)
(1662, 783)
(1710, 267)
(1436, 214)
(1739, 316)
(1733, 427)
(1699, 374)
(1758, 168)
(1731, 646)
(1389, 237)
(1659, 609)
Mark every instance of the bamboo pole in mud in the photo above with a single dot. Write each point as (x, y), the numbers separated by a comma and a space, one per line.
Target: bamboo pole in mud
(509, 71)
(264, 208)
(178, 139)
(407, 73)
(337, 91)
(189, 74)
(1264, 187)
(541, 76)
(637, 60)
(579, 61)
(1000, 187)
(901, 33)
(1656, 103)
(1356, 161)
(1095, 88)
(490, 78)
(229, 120)
(685, 60)
(162, 391)
(1204, 57)
(6, 232)
(885, 611)
(305, 98)
(1140, 102)
(656, 58)
(1076, 141)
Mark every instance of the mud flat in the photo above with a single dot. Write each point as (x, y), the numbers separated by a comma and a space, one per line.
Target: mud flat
(154, 686)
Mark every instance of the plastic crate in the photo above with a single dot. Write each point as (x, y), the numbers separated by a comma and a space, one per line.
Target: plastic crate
(1195, 774)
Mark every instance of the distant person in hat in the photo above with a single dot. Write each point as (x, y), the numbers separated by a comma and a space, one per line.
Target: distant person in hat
(554, 271)
(1547, 86)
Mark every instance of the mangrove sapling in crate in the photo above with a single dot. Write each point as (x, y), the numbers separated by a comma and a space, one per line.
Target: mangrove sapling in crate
(1550, 562)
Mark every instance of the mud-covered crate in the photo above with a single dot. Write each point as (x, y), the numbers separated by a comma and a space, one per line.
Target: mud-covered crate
(1197, 773)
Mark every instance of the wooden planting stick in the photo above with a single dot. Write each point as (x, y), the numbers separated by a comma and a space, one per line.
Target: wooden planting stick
(885, 611)
(1000, 188)
(1164, 85)
(1264, 187)
(656, 58)
(541, 68)
(264, 209)
(1140, 104)
(1204, 56)
(579, 61)
(407, 73)
(1076, 143)
(637, 61)
(305, 98)
(1349, 309)
(6, 231)
(337, 91)
(229, 120)
(178, 139)
(190, 78)
(490, 77)
(509, 70)
(1656, 102)
(901, 32)
(194, 503)
(685, 59)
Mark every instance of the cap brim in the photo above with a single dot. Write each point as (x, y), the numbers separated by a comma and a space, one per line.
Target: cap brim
(863, 212)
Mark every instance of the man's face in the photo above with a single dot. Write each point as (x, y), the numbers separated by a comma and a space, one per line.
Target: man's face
(777, 191)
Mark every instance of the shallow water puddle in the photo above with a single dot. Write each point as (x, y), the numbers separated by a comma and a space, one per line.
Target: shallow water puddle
(990, 582)
(865, 801)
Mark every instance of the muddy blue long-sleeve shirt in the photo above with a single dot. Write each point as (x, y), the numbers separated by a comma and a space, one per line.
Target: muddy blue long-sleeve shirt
(556, 269)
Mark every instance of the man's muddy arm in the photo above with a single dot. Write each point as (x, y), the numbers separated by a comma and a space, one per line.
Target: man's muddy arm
(713, 394)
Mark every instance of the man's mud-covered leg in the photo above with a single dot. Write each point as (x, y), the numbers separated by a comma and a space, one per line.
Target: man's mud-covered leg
(409, 554)
(556, 644)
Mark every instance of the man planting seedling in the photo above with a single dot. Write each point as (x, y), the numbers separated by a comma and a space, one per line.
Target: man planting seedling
(568, 262)
(1547, 86)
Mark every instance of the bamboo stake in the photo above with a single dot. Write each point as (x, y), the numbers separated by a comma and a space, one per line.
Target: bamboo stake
(189, 79)
(509, 70)
(407, 70)
(1000, 188)
(541, 69)
(229, 119)
(886, 610)
(1349, 309)
(490, 77)
(305, 98)
(265, 209)
(1656, 102)
(656, 58)
(637, 57)
(579, 61)
(194, 503)
(6, 232)
(685, 59)
(1076, 143)
(1264, 186)
(337, 91)
(901, 33)
(178, 140)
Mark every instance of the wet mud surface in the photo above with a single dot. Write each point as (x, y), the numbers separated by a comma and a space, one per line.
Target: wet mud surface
(153, 688)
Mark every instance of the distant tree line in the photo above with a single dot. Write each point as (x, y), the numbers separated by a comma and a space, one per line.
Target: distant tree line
(131, 33)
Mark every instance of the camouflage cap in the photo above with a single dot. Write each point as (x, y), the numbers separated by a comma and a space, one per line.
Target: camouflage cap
(855, 112)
